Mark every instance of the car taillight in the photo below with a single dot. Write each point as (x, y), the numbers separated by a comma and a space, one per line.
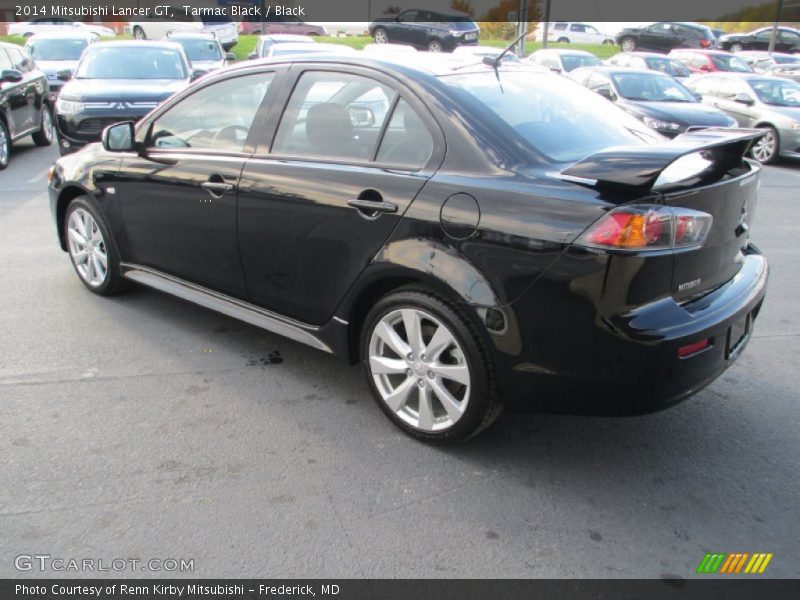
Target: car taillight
(648, 227)
(705, 43)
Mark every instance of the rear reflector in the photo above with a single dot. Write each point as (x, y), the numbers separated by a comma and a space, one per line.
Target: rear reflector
(694, 348)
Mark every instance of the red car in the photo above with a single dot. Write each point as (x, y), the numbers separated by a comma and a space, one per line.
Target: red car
(279, 24)
(708, 61)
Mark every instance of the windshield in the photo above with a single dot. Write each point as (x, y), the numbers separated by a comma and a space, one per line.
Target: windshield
(574, 61)
(201, 49)
(670, 66)
(56, 49)
(730, 63)
(776, 92)
(653, 88)
(124, 62)
(547, 114)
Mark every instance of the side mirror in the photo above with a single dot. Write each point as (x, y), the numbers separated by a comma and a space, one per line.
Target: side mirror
(705, 68)
(698, 96)
(253, 56)
(231, 57)
(120, 137)
(606, 93)
(743, 98)
(64, 75)
(198, 73)
(11, 76)
(555, 69)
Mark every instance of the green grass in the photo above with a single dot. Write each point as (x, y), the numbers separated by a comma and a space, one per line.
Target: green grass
(247, 43)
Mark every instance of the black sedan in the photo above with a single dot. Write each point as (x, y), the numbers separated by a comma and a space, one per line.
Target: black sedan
(25, 107)
(658, 100)
(426, 30)
(118, 81)
(478, 235)
(787, 40)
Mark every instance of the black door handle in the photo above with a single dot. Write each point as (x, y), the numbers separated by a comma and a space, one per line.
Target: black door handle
(372, 207)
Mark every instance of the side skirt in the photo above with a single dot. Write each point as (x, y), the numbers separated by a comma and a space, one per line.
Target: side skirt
(243, 311)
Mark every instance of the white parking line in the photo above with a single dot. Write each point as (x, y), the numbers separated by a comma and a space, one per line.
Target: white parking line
(37, 178)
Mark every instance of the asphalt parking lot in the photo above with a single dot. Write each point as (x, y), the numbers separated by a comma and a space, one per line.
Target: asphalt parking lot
(145, 427)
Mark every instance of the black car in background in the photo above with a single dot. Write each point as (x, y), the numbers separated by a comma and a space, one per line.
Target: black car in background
(58, 52)
(656, 99)
(664, 36)
(426, 30)
(118, 81)
(495, 235)
(203, 49)
(24, 101)
(788, 40)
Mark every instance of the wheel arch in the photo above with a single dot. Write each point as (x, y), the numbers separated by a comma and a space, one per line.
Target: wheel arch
(65, 196)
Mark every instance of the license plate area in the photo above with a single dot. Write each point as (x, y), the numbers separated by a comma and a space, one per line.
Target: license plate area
(738, 333)
(471, 36)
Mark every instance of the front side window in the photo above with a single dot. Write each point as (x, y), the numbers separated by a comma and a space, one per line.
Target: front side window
(118, 61)
(5, 62)
(776, 92)
(578, 28)
(20, 60)
(217, 117)
(334, 116)
(655, 88)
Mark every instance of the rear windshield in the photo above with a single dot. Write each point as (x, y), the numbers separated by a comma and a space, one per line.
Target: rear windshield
(575, 61)
(123, 62)
(56, 49)
(669, 66)
(654, 88)
(200, 49)
(549, 115)
(730, 63)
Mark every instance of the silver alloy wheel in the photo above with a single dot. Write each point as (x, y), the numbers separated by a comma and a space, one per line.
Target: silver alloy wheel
(419, 369)
(381, 37)
(87, 248)
(764, 149)
(628, 45)
(47, 124)
(5, 148)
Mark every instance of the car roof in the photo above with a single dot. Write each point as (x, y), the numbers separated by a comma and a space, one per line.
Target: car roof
(287, 37)
(139, 44)
(61, 35)
(191, 35)
(562, 52)
(318, 48)
(766, 53)
(700, 51)
(623, 70)
(643, 54)
(420, 63)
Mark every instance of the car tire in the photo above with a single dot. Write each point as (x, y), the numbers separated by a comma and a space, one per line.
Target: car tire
(766, 150)
(139, 34)
(46, 133)
(456, 383)
(5, 145)
(562, 40)
(627, 44)
(737, 47)
(381, 36)
(435, 45)
(89, 242)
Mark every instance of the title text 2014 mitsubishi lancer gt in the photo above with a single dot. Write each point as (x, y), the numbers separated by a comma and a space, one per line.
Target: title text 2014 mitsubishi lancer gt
(474, 235)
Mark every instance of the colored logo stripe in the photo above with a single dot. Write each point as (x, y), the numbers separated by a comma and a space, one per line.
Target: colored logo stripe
(734, 563)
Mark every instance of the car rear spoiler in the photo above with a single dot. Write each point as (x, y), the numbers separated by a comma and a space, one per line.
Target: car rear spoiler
(637, 168)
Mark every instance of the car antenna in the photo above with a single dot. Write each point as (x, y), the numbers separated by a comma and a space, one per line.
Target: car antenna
(494, 61)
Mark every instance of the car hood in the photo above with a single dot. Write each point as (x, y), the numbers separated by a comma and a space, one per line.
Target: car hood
(685, 113)
(115, 90)
(51, 67)
(208, 65)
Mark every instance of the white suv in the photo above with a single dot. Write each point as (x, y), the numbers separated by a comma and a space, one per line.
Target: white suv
(573, 33)
(155, 28)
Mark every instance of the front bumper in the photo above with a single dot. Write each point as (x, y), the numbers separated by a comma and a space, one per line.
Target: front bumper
(628, 363)
(790, 143)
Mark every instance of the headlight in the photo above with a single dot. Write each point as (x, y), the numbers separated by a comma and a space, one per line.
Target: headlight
(455, 33)
(795, 125)
(660, 125)
(68, 107)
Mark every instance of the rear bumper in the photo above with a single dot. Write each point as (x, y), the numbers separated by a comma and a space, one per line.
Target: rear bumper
(629, 363)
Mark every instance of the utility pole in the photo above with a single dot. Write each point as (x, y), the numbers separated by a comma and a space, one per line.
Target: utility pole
(522, 26)
(546, 23)
(775, 27)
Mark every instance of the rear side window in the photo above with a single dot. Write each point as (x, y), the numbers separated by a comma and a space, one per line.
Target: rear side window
(20, 60)
(406, 142)
(560, 27)
(217, 117)
(334, 116)
(5, 62)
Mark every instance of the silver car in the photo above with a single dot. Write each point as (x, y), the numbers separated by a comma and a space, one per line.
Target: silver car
(755, 100)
